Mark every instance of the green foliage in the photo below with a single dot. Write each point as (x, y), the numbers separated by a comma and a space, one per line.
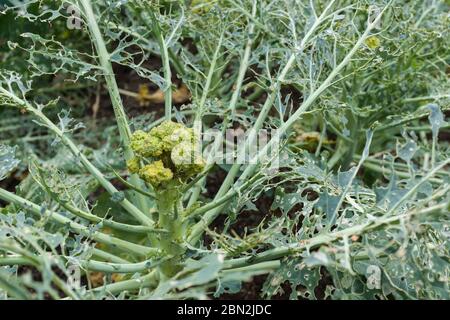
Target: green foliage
(358, 93)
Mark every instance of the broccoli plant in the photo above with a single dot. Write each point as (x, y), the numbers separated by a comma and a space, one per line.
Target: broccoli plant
(337, 187)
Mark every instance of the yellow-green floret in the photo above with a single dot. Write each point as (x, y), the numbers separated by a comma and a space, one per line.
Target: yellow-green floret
(155, 173)
(133, 165)
(373, 42)
(187, 159)
(172, 133)
(146, 145)
(174, 150)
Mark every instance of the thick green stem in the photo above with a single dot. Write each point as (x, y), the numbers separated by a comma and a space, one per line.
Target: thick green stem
(148, 280)
(15, 260)
(108, 257)
(90, 265)
(168, 202)
(107, 267)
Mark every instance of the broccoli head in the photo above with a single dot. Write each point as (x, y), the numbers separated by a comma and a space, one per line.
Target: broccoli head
(172, 150)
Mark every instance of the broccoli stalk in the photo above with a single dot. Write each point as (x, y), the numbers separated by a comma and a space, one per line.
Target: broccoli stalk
(166, 157)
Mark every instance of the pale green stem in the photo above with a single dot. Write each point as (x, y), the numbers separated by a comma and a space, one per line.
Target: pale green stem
(166, 66)
(168, 204)
(401, 174)
(253, 19)
(424, 98)
(426, 127)
(399, 166)
(130, 285)
(377, 168)
(15, 260)
(397, 124)
(218, 202)
(232, 105)
(104, 57)
(96, 219)
(263, 267)
(90, 265)
(129, 185)
(272, 95)
(212, 69)
(107, 256)
(37, 261)
(433, 149)
(12, 288)
(108, 267)
(200, 112)
(110, 223)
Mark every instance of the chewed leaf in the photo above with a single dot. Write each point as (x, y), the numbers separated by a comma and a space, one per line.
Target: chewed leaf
(8, 162)
(388, 197)
(53, 57)
(227, 287)
(66, 124)
(286, 201)
(407, 151)
(345, 177)
(297, 273)
(328, 203)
